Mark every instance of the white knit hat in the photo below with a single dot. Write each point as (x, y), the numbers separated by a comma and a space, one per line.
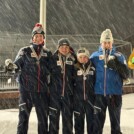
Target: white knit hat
(83, 51)
(106, 36)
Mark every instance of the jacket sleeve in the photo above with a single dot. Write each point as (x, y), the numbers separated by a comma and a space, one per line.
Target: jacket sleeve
(19, 60)
(93, 79)
(119, 66)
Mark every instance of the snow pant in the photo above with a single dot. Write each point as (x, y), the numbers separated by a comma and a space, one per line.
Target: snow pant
(65, 106)
(114, 104)
(26, 102)
(79, 117)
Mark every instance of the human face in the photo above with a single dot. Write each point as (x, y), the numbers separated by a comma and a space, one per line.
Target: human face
(82, 59)
(64, 49)
(107, 45)
(38, 39)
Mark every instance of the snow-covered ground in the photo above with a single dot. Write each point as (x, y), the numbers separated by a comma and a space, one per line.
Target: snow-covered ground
(9, 119)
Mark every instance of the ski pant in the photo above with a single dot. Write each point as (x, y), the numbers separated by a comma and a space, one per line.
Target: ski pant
(63, 105)
(114, 103)
(26, 102)
(85, 109)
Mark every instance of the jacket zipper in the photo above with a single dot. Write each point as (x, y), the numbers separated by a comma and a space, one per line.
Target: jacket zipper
(105, 67)
(63, 88)
(38, 72)
(105, 71)
(84, 87)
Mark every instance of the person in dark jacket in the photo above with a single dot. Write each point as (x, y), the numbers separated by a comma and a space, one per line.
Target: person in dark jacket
(33, 63)
(84, 92)
(111, 70)
(61, 88)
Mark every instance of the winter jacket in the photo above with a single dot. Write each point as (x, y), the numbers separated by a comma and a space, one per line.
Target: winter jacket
(62, 68)
(84, 77)
(109, 73)
(34, 72)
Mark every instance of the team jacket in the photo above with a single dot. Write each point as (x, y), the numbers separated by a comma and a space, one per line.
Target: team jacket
(34, 72)
(109, 80)
(84, 77)
(62, 69)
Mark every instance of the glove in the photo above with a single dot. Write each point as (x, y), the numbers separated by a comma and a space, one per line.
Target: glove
(10, 66)
(119, 67)
(112, 63)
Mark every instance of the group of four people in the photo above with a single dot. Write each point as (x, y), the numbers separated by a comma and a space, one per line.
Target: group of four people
(67, 83)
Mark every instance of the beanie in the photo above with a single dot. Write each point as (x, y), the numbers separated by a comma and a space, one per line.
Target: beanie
(106, 36)
(63, 41)
(38, 29)
(83, 51)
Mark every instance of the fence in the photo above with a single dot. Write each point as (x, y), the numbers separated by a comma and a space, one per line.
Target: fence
(7, 82)
(11, 43)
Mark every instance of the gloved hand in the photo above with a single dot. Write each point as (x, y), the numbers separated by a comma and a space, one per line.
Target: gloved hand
(112, 62)
(121, 68)
(10, 66)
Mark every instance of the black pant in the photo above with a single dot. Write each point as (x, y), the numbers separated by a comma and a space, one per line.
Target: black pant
(26, 102)
(63, 105)
(114, 103)
(84, 108)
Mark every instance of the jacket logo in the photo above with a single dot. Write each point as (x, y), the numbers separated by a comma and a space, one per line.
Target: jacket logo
(44, 54)
(79, 72)
(58, 63)
(69, 62)
(91, 72)
(101, 57)
(33, 55)
(21, 53)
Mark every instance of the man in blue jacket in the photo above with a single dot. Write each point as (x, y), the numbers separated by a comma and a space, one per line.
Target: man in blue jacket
(33, 63)
(111, 70)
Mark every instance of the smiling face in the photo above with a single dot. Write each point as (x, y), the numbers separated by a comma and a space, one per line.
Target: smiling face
(38, 39)
(83, 59)
(106, 45)
(64, 49)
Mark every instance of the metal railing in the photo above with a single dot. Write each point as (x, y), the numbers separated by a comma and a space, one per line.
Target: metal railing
(7, 82)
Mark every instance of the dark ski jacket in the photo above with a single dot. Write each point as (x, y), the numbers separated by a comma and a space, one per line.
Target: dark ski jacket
(84, 78)
(34, 73)
(62, 69)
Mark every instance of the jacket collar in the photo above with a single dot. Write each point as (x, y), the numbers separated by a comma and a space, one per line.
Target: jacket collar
(101, 50)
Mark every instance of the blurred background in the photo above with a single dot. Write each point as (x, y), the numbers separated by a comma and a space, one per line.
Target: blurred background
(80, 21)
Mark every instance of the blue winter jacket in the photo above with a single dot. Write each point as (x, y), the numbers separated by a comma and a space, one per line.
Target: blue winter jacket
(108, 80)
